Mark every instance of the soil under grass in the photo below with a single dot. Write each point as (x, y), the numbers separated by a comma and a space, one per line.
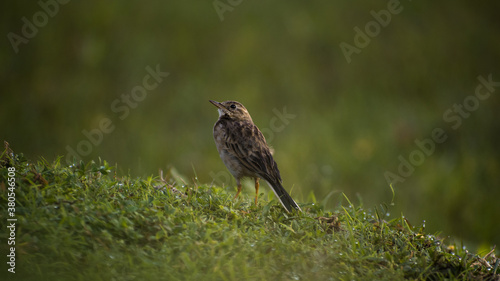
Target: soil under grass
(84, 222)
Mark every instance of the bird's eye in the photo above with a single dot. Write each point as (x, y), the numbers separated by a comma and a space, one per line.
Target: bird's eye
(233, 106)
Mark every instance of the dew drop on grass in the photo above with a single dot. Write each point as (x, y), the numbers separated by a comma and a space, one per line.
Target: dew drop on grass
(387, 214)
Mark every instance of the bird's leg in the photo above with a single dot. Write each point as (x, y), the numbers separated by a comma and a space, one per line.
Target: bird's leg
(256, 190)
(239, 188)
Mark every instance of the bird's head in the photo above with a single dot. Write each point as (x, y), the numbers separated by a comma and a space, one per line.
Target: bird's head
(232, 110)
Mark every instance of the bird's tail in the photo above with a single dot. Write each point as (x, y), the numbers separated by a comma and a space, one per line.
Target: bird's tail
(286, 200)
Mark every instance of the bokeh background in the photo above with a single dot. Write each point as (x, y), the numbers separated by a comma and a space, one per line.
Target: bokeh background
(336, 126)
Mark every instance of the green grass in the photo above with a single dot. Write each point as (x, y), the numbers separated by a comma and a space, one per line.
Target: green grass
(84, 222)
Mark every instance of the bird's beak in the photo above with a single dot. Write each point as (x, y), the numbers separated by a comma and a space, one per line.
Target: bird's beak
(218, 105)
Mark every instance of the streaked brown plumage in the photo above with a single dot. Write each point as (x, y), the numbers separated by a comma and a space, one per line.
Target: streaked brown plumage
(244, 151)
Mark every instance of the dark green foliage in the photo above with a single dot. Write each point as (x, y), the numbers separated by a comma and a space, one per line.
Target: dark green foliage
(83, 222)
(349, 118)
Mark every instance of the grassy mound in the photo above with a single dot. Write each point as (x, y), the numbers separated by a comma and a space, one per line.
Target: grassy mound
(83, 222)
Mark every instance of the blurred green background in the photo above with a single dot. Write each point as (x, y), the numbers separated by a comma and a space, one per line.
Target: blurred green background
(347, 123)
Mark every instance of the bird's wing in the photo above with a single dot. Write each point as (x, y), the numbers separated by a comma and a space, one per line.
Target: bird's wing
(247, 143)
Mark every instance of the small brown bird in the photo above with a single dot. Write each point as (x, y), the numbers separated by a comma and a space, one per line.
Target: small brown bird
(243, 149)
